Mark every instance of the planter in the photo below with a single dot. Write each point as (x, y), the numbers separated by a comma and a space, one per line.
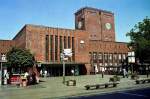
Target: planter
(71, 83)
(114, 79)
(133, 77)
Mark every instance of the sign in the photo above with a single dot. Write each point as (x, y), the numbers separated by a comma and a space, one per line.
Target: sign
(65, 58)
(68, 52)
(81, 42)
(131, 53)
(3, 58)
(131, 59)
(39, 64)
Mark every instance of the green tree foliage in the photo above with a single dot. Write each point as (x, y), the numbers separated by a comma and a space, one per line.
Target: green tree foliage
(20, 57)
(140, 39)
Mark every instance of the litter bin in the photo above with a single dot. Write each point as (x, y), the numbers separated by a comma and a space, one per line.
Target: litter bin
(71, 83)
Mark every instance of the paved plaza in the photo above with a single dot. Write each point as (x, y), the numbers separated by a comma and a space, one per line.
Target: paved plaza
(52, 87)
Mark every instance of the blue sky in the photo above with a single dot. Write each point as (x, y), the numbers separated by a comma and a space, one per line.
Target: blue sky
(14, 14)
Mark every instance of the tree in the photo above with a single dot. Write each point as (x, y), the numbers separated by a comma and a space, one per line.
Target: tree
(20, 57)
(140, 40)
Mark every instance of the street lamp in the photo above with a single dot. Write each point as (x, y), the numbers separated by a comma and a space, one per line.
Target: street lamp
(64, 57)
(3, 60)
(131, 58)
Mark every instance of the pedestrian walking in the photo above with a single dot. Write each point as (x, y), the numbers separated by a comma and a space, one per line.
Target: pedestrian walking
(103, 70)
(125, 74)
(147, 72)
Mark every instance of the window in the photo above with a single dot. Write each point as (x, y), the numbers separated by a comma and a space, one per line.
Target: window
(73, 50)
(106, 64)
(110, 64)
(115, 57)
(56, 47)
(73, 43)
(110, 56)
(100, 56)
(119, 56)
(94, 55)
(51, 47)
(60, 44)
(124, 56)
(100, 64)
(69, 46)
(47, 48)
(105, 56)
(65, 45)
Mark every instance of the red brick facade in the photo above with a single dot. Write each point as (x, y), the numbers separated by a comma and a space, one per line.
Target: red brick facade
(92, 42)
(5, 45)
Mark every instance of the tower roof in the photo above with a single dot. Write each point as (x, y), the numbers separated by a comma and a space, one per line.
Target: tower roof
(90, 8)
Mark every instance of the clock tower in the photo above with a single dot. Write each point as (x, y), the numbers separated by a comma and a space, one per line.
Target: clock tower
(98, 23)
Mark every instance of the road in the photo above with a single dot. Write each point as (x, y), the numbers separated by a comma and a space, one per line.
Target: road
(133, 94)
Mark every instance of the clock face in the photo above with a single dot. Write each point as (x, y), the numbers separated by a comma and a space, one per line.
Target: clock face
(79, 24)
(108, 26)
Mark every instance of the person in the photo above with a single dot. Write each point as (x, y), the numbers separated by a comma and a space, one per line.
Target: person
(24, 80)
(103, 70)
(45, 73)
(72, 71)
(34, 78)
(26, 74)
(7, 77)
(41, 73)
(37, 79)
(147, 72)
(125, 74)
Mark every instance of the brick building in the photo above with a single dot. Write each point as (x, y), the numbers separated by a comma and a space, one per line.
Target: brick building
(92, 42)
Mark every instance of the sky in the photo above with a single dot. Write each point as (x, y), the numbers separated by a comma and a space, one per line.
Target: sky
(14, 14)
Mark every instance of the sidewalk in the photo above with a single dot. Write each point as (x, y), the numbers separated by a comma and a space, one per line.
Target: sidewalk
(52, 87)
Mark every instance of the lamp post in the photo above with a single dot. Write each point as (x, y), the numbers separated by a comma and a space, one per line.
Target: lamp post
(64, 56)
(1, 74)
(63, 71)
(131, 58)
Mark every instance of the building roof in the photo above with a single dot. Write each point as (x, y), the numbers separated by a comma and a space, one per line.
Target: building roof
(43, 26)
(90, 8)
(5, 40)
(40, 26)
